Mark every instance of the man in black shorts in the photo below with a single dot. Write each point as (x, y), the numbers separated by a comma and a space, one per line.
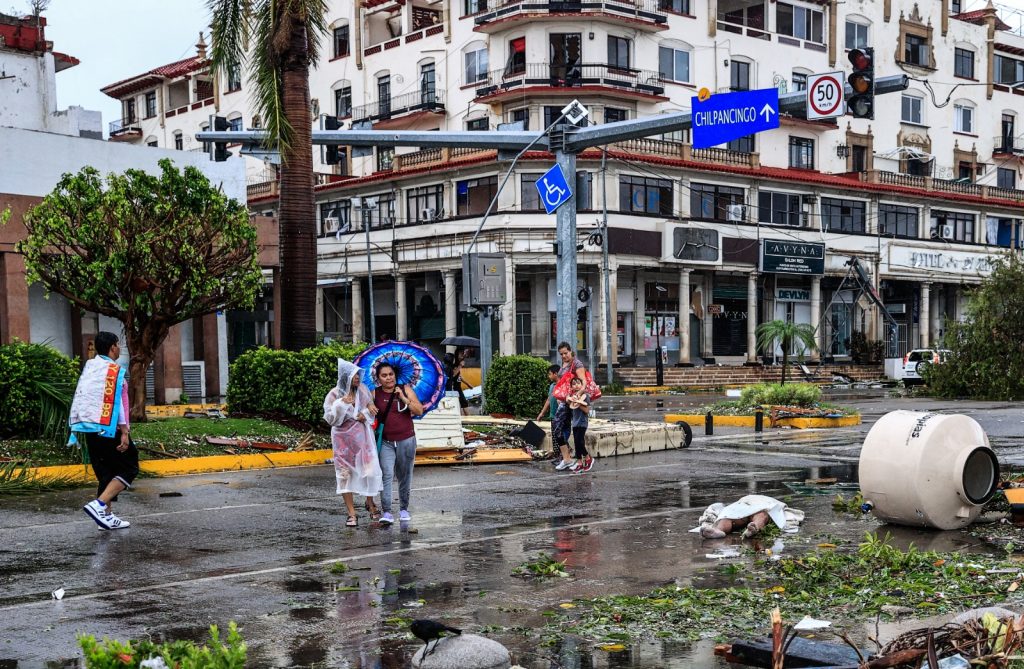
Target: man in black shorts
(100, 410)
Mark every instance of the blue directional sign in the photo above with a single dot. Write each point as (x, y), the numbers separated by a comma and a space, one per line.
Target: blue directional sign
(724, 117)
(554, 190)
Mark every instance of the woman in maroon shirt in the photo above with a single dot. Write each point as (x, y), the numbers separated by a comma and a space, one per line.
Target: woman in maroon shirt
(396, 405)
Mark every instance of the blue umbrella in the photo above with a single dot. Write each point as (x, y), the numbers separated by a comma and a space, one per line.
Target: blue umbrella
(414, 366)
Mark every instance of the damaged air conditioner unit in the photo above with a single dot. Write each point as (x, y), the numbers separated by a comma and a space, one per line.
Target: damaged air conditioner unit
(735, 212)
(331, 225)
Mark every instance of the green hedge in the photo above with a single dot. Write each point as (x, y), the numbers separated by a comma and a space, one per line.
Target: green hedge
(791, 394)
(517, 385)
(267, 381)
(215, 654)
(36, 387)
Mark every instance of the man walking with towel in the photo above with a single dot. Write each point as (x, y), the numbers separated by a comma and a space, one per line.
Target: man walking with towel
(100, 410)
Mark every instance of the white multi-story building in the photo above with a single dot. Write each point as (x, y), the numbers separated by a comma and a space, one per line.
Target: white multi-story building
(924, 196)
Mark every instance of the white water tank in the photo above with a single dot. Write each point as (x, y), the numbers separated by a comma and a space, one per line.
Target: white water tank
(927, 469)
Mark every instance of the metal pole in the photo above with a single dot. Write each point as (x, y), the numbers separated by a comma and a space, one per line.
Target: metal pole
(566, 267)
(591, 353)
(485, 353)
(613, 334)
(369, 278)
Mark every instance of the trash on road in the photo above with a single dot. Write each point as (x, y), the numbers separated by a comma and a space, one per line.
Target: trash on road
(809, 624)
(58, 594)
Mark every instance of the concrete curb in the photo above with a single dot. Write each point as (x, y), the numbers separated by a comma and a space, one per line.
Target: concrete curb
(697, 420)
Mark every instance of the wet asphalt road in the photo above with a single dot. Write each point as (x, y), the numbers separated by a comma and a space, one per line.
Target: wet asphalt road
(255, 547)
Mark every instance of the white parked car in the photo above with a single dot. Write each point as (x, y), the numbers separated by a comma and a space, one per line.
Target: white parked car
(918, 360)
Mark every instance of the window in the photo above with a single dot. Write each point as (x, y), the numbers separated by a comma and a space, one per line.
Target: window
(384, 95)
(677, 6)
(618, 52)
(897, 221)
(963, 118)
(859, 158)
(551, 114)
(424, 204)
(952, 226)
(843, 215)
(152, 144)
(383, 215)
(742, 145)
(801, 153)
(918, 167)
(856, 35)
(516, 56)
(963, 63)
(338, 209)
(644, 195)
(713, 202)
(1006, 178)
(473, 195)
(521, 114)
(915, 50)
(779, 208)
(912, 110)
(528, 196)
(129, 110)
(151, 104)
(613, 114)
(385, 158)
(234, 78)
(341, 41)
(428, 84)
(674, 64)
(799, 81)
(235, 124)
(965, 171)
(1008, 70)
(478, 124)
(343, 102)
(955, 6)
(206, 145)
(179, 141)
(800, 22)
(476, 65)
(474, 6)
(739, 75)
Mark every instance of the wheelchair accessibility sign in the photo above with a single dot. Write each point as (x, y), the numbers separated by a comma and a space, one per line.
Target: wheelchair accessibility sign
(553, 189)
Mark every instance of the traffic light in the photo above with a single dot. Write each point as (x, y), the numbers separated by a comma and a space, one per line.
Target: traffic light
(220, 149)
(333, 151)
(862, 80)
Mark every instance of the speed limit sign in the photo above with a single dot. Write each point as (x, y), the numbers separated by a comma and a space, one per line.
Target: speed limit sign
(825, 95)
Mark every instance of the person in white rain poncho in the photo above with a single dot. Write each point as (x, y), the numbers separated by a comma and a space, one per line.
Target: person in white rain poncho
(349, 409)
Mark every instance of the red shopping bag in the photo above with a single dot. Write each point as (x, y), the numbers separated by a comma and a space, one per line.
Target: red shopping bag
(591, 388)
(561, 390)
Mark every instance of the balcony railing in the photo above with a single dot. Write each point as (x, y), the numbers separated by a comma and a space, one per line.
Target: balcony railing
(1004, 144)
(432, 101)
(124, 126)
(648, 146)
(488, 11)
(725, 157)
(942, 185)
(435, 156)
(757, 31)
(645, 82)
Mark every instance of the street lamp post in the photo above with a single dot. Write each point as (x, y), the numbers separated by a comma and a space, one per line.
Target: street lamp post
(659, 365)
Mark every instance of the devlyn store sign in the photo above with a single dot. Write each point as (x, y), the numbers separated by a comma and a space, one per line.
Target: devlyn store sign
(792, 257)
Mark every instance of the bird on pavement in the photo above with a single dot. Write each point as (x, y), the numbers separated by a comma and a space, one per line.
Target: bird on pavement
(430, 630)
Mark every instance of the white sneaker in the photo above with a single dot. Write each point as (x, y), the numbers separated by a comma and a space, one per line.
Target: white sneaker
(104, 518)
(565, 464)
(577, 466)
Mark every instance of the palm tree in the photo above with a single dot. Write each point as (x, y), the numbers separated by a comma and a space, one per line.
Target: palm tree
(785, 333)
(278, 40)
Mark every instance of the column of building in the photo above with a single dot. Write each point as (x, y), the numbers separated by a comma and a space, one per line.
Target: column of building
(924, 317)
(357, 310)
(819, 339)
(401, 310)
(752, 318)
(507, 324)
(451, 305)
(684, 318)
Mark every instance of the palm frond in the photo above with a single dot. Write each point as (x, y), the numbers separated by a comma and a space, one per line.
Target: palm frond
(18, 480)
(229, 33)
(266, 74)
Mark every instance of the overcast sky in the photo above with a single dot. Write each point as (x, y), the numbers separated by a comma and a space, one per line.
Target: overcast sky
(117, 39)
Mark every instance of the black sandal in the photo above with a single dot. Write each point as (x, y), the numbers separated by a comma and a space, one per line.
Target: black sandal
(372, 509)
(351, 522)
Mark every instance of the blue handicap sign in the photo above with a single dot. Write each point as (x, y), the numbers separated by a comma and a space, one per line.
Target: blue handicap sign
(724, 117)
(553, 189)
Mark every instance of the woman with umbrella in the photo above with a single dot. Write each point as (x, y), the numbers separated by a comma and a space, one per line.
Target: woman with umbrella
(349, 409)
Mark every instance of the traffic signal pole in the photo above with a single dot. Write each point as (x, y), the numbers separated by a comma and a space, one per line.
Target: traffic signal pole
(564, 145)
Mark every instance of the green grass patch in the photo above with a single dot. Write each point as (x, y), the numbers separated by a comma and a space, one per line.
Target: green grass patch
(847, 588)
(739, 409)
(185, 437)
(543, 566)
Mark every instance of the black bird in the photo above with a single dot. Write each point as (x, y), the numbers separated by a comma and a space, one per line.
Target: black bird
(430, 630)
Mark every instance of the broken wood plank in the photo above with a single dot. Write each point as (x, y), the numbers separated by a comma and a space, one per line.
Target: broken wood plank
(265, 445)
(801, 653)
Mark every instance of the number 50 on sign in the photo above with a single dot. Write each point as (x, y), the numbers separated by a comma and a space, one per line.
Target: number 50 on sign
(825, 95)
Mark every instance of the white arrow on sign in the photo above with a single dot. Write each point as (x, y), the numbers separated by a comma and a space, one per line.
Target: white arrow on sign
(767, 112)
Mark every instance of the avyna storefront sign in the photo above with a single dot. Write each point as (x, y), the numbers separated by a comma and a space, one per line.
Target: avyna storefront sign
(780, 256)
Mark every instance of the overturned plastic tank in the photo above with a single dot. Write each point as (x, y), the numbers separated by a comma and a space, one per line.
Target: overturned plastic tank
(927, 469)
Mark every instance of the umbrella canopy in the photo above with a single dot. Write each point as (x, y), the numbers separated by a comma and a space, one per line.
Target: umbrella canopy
(468, 342)
(414, 366)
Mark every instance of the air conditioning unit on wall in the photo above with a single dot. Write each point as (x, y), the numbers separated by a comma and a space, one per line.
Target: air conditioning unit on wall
(428, 213)
(735, 212)
(947, 232)
(331, 225)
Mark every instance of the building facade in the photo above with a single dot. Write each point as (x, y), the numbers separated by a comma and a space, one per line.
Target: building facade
(923, 197)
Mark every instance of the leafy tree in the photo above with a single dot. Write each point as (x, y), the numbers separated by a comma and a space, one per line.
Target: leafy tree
(150, 251)
(785, 333)
(278, 40)
(987, 359)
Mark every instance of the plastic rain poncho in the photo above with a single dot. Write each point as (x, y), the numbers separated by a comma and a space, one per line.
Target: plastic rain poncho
(355, 448)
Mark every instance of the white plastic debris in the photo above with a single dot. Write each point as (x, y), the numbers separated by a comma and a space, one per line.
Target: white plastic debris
(58, 594)
(809, 624)
(153, 663)
(723, 553)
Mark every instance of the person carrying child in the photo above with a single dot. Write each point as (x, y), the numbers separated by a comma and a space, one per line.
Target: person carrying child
(578, 402)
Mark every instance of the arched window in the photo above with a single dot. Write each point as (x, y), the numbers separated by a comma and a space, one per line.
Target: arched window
(342, 98)
(341, 39)
(235, 121)
(179, 140)
(857, 31)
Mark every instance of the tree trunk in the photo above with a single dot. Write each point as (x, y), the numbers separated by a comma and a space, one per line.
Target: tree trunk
(297, 209)
(142, 348)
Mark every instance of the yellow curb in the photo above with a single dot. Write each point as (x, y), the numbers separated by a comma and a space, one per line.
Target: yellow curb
(178, 410)
(269, 460)
(748, 421)
(639, 390)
